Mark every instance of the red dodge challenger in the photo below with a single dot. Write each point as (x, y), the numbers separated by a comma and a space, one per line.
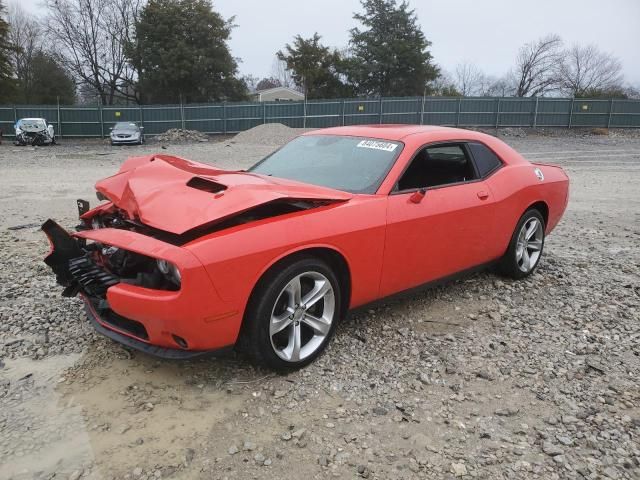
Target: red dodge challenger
(183, 259)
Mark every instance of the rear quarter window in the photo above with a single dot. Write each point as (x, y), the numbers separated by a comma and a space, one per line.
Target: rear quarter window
(486, 161)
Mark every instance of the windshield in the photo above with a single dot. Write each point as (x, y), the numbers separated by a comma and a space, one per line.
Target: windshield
(351, 164)
(125, 126)
(32, 124)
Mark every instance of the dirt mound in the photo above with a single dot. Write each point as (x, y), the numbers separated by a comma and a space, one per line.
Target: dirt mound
(179, 135)
(267, 134)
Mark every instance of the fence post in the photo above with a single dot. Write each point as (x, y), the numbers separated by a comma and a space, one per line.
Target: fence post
(15, 115)
(422, 110)
(535, 114)
(498, 114)
(571, 113)
(380, 115)
(101, 120)
(342, 112)
(141, 116)
(610, 112)
(458, 111)
(264, 113)
(59, 121)
(304, 113)
(224, 118)
(181, 113)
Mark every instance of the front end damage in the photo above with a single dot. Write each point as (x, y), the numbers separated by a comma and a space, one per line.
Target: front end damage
(34, 132)
(133, 298)
(33, 138)
(130, 258)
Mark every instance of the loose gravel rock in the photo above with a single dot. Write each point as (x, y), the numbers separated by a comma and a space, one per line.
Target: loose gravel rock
(178, 135)
(481, 378)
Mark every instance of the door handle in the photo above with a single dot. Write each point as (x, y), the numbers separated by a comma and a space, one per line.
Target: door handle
(483, 194)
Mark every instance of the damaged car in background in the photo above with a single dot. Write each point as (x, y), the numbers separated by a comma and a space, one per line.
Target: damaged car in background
(35, 132)
(183, 259)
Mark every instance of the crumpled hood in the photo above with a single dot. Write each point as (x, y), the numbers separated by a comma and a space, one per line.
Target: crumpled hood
(176, 195)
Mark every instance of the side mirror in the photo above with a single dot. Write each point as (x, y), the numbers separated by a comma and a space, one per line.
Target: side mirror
(141, 128)
(416, 197)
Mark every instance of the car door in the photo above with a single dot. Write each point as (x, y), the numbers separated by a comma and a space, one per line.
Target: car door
(439, 219)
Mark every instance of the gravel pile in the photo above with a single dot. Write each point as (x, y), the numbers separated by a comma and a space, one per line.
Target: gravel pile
(267, 134)
(175, 135)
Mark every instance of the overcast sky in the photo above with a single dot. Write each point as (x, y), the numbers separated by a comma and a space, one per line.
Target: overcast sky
(485, 32)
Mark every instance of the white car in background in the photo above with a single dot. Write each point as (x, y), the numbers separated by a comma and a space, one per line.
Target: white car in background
(34, 131)
(127, 133)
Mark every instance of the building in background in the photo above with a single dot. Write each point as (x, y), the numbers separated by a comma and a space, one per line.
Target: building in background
(277, 94)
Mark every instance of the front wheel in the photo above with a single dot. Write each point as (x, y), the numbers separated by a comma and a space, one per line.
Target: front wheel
(525, 248)
(292, 315)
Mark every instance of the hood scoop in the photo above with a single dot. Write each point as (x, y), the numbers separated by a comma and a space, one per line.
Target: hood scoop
(205, 185)
(175, 195)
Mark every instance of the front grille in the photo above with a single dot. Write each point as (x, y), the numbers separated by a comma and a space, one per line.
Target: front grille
(93, 279)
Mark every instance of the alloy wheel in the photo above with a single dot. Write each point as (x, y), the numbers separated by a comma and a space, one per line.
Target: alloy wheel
(302, 316)
(529, 245)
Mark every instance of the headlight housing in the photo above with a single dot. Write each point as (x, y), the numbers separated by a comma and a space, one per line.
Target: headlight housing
(170, 271)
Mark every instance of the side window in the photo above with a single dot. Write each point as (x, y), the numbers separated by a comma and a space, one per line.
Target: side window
(486, 161)
(436, 166)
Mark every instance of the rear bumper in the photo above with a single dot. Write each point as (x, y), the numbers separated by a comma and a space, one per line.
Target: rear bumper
(189, 322)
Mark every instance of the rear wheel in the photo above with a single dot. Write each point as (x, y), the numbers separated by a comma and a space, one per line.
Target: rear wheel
(525, 248)
(292, 314)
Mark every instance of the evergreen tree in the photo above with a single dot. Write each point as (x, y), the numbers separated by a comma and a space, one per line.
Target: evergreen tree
(180, 51)
(389, 54)
(315, 68)
(50, 82)
(6, 71)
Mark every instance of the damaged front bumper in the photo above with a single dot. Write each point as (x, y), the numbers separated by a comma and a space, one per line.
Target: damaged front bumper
(33, 138)
(167, 324)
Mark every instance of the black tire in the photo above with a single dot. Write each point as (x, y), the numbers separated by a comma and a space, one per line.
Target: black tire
(511, 264)
(255, 340)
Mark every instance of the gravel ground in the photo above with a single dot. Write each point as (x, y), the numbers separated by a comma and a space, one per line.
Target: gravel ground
(481, 378)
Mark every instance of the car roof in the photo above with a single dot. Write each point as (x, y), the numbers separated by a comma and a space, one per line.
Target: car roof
(421, 134)
(384, 131)
(30, 119)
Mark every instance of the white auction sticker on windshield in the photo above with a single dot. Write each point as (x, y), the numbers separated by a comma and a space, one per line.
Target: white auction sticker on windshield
(386, 146)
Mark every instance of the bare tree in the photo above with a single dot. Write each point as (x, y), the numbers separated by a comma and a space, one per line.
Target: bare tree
(90, 37)
(251, 81)
(497, 87)
(537, 67)
(585, 69)
(469, 79)
(279, 72)
(443, 85)
(25, 37)
(633, 92)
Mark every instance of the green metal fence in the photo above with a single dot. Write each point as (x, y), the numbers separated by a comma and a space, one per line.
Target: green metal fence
(94, 121)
